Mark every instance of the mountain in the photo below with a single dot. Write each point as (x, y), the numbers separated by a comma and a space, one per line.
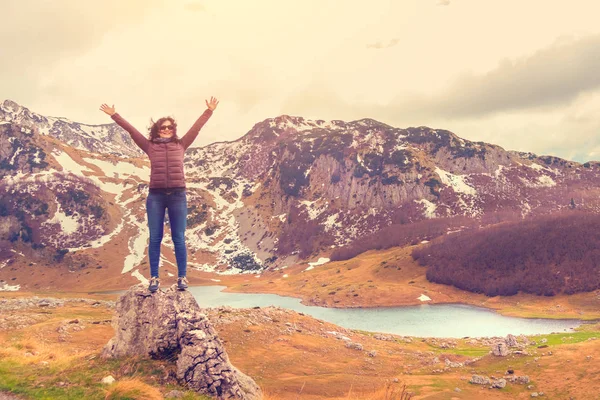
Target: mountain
(290, 190)
(107, 139)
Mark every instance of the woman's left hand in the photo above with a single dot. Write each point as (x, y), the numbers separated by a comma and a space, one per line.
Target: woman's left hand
(212, 104)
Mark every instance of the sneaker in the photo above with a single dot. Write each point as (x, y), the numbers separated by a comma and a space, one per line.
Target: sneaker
(154, 284)
(182, 283)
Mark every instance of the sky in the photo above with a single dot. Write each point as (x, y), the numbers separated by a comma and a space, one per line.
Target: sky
(520, 74)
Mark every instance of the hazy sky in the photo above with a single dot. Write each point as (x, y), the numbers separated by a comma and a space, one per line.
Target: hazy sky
(523, 74)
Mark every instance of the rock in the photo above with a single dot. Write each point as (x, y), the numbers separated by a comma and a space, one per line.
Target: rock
(169, 324)
(355, 346)
(451, 364)
(108, 380)
(372, 353)
(499, 384)
(521, 380)
(174, 394)
(511, 341)
(480, 380)
(500, 349)
(457, 390)
(534, 394)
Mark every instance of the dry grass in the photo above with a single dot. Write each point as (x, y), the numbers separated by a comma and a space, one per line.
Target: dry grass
(391, 391)
(132, 389)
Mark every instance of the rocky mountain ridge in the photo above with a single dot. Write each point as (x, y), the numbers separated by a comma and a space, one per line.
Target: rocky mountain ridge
(288, 191)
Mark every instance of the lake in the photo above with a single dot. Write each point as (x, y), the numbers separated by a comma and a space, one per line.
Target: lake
(426, 320)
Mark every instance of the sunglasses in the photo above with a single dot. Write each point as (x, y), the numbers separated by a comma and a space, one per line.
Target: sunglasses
(166, 127)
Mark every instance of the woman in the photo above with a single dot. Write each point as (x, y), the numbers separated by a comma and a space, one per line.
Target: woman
(167, 185)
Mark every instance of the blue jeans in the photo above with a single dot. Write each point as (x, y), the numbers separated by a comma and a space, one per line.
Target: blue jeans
(176, 204)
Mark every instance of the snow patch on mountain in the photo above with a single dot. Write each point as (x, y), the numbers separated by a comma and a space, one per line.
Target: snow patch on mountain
(69, 224)
(5, 287)
(70, 165)
(137, 245)
(540, 181)
(430, 208)
(457, 182)
(314, 210)
(119, 168)
(140, 277)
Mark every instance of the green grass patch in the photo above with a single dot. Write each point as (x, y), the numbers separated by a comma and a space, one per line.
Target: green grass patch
(463, 351)
(557, 339)
(81, 376)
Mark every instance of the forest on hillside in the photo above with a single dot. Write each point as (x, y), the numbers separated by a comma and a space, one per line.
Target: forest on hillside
(546, 255)
(398, 235)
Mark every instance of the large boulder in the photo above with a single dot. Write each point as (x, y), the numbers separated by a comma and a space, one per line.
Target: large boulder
(170, 324)
(500, 349)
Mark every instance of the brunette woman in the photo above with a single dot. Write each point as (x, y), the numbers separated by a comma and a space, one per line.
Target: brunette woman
(167, 184)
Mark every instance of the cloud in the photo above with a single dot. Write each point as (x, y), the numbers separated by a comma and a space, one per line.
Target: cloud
(551, 76)
(381, 45)
(195, 7)
(46, 33)
(443, 2)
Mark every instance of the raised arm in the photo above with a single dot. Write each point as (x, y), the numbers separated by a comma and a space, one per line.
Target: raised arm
(137, 137)
(191, 135)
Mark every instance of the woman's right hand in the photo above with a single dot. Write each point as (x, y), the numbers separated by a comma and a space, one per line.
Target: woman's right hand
(109, 110)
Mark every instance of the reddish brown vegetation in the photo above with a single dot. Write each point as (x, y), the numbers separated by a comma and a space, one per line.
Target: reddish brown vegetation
(543, 256)
(401, 235)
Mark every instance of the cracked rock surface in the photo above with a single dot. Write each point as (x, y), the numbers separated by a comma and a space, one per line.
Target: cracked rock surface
(170, 324)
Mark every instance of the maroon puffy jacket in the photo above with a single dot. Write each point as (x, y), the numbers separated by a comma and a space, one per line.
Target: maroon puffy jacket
(166, 159)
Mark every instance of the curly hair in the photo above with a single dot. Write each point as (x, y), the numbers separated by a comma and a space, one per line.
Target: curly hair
(155, 126)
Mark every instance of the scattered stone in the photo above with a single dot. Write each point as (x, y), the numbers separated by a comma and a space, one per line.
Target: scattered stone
(510, 371)
(588, 358)
(372, 353)
(534, 394)
(355, 346)
(108, 380)
(499, 384)
(451, 364)
(521, 380)
(511, 341)
(480, 380)
(530, 387)
(457, 390)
